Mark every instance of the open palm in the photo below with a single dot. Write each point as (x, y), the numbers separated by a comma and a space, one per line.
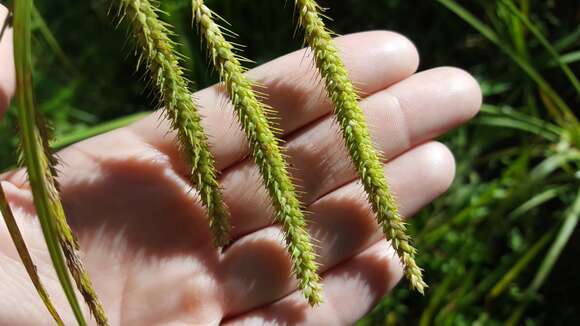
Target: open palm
(144, 234)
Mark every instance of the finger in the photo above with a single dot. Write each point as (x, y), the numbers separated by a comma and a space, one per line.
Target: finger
(257, 266)
(293, 90)
(7, 74)
(410, 112)
(366, 278)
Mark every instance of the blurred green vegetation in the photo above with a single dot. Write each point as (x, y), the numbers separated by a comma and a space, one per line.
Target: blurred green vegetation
(500, 247)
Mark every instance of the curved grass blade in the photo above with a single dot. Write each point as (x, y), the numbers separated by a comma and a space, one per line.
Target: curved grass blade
(25, 256)
(537, 201)
(568, 58)
(157, 51)
(52, 42)
(93, 131)
(265, 150)
(570, 222)
(437, 298)
(564, 235)
(565, 115)
(40, 167)
(519, 266)
(506, 117)
(545, 43)
(350, 117)
(567, 41)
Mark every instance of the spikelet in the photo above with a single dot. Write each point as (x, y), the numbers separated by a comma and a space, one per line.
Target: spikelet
(350, 117)
(265, 150)
(157, 51)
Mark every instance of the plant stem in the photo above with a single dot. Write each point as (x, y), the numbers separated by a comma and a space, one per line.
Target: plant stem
(93, 131)
(41, 175)
(356, 135)
(25, 256)
(265, 150)
(157, 50)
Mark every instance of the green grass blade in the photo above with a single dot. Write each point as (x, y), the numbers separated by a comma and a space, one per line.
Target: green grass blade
(564, 235)
(570, 222)
(568, 41)
(439, 296)
(51, 41)
(25, 256)
(445, 315)
(76, 137)
(545, 43)
(566, 115)
(552, 163)
(569, 58)
(524, 261)
(537, 200)
(506, 117)
(34, 158)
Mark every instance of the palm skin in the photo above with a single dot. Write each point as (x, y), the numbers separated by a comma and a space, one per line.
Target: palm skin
(144, 234)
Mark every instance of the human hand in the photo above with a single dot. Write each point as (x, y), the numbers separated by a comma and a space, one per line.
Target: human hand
(145, 237)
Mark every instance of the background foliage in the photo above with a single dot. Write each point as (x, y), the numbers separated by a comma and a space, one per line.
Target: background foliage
(500, 247)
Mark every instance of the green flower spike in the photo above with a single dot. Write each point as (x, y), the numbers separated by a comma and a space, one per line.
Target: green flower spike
(265, 150)
(157, 51)
(365, 157)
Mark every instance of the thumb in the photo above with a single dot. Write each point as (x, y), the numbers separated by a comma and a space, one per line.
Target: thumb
(7, 74)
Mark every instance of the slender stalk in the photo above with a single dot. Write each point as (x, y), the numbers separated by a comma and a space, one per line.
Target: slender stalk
(519, 266)
(25, 256)
(41, 175)
(265, 149)
(358, 141)
(562, 238)
(93, 131)
(157, 50)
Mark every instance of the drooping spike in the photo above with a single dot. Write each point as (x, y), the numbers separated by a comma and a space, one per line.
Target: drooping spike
(266, 151)
(152, 39)
(350, 117)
